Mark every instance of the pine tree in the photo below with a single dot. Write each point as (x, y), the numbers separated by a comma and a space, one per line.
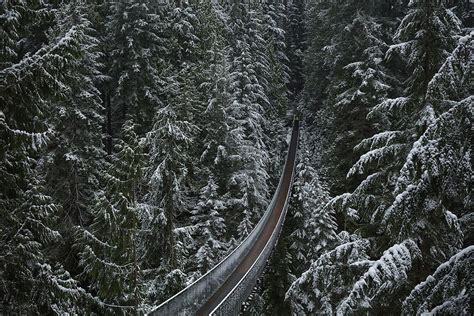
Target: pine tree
(247, 186)
(409, 118)
(447, 290)
(386, 150)
(362, 83)
(401, 203)
(137, 47)
(108, 249)
(214, 120)
(425, 37)
(169, 141)
(330, 277)
(314, 226)
(432, 186)
(215, 129)
(171, 171)
(249, 209)
(383, 279)
(99, 15)
(453, 81)
(277, 279)
(183, 40)
(325, 21)
(77, 157)
(273, 22)
(346, 77)
(295, 44)
(34, 73)
(209, 228)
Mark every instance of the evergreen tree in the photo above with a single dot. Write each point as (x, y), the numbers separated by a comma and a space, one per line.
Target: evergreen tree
(314, 227)
(445, 291)
(362, 83)
(330, 277)
(34, 73)
(384, 277)
(137, 47)
(77, 158)
(99, 14)
(401, 204)
(390, 148)
(209, 228)
(273, 22)
(277, 279)
(214, 120)
(169, 141)
(346, 77)
(183, 40)
(215, 130)
(108, 249)
(295, 45)
(188, 98)
(247, 186)
(425, 37)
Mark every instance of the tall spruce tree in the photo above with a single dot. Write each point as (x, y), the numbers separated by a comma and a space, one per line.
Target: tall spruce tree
(273, 23)
(247, 186)
(295, 45)
(137, 48)
(209, 228)
(35, 73)
(427, 41)
(214, 83)
(76, 156)
(169, 140)
(108, 248)
(398, 206)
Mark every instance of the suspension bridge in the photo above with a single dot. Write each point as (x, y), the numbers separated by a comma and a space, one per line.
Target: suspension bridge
(224, 288)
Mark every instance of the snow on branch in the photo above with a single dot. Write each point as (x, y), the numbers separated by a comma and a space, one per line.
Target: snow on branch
(377, 157)
(382, 278)
(447, 291)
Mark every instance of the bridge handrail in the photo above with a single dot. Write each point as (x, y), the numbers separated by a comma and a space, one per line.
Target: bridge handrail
(231, 304)
(188, 300)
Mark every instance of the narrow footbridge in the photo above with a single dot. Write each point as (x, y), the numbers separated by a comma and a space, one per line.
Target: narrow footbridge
(223, 289)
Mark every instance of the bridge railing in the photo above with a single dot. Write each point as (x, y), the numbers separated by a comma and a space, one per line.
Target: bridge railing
(232, 303)
(191, 298)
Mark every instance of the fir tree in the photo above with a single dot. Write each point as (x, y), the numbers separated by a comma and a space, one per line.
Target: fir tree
(295, 45)
(401, 204)
(137, 47)
(247, 186)
(108, 249)
(447, 290)
(383, 278)
(209, 228)
(389, 149)
(183, 40)
(214, 120)
(331, 276)
(362, 83)
(314, 227)
(169, 141)
(34, 73)
(77, 157)
(273, 22)
(277, 279)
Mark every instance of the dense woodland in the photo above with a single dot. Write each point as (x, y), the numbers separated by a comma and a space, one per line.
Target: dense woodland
(141, 141)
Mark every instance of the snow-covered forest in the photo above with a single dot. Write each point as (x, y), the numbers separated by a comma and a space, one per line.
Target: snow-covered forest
(142, 140)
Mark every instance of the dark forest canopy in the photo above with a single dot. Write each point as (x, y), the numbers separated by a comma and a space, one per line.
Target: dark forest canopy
(141, 141)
